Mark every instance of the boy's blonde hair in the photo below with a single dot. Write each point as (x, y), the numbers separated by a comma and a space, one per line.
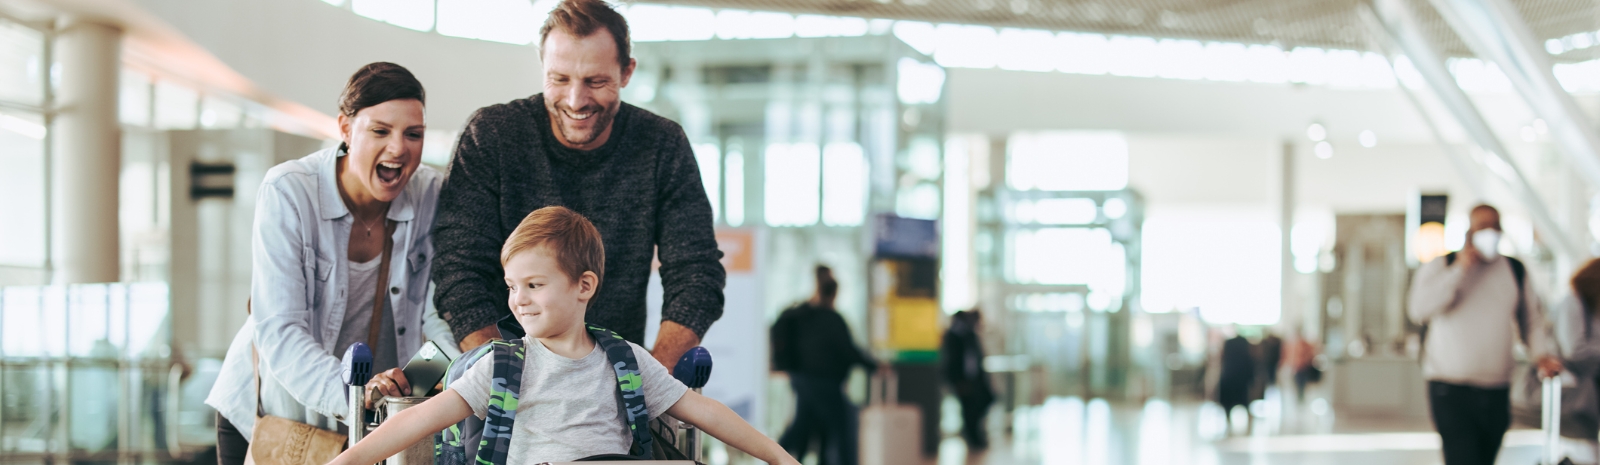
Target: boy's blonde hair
(570, 237)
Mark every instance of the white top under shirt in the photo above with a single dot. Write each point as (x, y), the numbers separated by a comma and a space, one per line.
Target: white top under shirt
(567, 409)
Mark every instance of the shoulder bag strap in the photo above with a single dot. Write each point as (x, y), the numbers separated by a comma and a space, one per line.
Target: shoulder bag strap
(504, 390)
(630, 389)
(380, 295)
(1520, 273)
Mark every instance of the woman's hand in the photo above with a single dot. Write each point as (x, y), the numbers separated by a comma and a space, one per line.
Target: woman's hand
(390, 383)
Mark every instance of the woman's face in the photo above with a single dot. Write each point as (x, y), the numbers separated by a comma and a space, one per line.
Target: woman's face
(385, 147)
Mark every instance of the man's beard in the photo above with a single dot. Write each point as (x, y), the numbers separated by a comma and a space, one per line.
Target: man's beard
(603, 118)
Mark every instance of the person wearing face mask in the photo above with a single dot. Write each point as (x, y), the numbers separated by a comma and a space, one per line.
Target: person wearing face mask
(1475, 305)
(578, 145)
(340, 254)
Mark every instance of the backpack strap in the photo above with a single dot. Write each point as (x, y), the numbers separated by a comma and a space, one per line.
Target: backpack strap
(456, 445)
(1520, 272)
(504, 389)
(630, 389)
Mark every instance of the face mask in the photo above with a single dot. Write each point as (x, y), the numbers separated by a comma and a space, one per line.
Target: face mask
(1487, 242)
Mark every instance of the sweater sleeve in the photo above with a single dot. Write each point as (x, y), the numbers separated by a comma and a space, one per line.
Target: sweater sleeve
(1434, 290)
(692, 275)
(469, 293)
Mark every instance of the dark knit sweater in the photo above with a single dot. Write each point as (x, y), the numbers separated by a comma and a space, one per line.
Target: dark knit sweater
(641, 189)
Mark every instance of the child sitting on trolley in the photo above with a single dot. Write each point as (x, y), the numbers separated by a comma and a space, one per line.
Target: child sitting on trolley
(568, 407)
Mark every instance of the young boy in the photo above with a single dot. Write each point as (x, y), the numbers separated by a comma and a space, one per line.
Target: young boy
(567, 409)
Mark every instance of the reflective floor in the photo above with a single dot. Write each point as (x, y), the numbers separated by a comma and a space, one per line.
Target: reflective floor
(1076, 431)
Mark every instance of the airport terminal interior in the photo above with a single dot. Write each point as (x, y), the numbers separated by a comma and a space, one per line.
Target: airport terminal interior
(1124, 189)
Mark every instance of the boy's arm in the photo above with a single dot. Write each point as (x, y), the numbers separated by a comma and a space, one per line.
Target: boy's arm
(406, 428)
(721, 423)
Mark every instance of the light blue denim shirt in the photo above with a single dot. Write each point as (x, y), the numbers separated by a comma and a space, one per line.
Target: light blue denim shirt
(299, 276)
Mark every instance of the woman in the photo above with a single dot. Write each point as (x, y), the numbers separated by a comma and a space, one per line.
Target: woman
(1578, 333)
(317, 253)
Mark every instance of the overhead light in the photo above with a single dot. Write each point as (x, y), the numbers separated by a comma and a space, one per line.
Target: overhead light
(1316, 132)
(1324, 150)
(1369, 139)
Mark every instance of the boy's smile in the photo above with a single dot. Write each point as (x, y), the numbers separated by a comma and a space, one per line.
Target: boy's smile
(548, 303)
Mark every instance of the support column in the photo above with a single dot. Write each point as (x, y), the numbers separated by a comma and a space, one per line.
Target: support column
(87, 159)
(1288, 290)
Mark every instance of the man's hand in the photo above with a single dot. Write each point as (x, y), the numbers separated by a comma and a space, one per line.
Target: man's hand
(1549, 367)
(479, 337)
(671, 342)
(1469, 257)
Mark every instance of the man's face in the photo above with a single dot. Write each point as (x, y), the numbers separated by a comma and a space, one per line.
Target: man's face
(1483, 219)
(582, 86)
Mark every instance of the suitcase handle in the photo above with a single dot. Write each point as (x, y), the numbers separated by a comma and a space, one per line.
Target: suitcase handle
(1551, 413)
(885, 386)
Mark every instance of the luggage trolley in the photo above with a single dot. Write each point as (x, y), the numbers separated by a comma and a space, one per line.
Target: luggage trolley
(693, 369)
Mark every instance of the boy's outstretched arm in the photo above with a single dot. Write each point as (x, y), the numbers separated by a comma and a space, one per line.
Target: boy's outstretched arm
(720, 422)
(406, 428)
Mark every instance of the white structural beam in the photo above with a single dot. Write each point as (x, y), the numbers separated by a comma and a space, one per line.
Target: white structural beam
(1496, 32)
(1395, 25)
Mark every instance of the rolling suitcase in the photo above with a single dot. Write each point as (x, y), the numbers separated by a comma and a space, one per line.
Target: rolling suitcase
(1550, 422)
(891, 433)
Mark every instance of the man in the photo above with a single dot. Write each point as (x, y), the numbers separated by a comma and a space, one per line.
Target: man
(962, 354)
(630, 172)
(812, 343)
(1475, 305)
(1236, 376)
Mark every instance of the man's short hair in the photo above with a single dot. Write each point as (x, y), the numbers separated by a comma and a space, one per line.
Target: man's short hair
(826, 285)
(565, 234)
(582, 18)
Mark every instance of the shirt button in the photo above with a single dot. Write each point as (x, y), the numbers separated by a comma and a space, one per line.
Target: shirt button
(394, 290)
(402, 330)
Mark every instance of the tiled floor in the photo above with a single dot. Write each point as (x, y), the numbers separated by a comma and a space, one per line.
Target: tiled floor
(1075, 431)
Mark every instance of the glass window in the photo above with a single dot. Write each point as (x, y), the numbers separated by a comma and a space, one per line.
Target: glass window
(508, 21)
(793, 183)
(709, 157)
(1067, 161)
(409, 14)
(177, 107)
(21, 58)
(844, 184)
(22, 171)
(133, 100)
(219, 113)
(735, 183)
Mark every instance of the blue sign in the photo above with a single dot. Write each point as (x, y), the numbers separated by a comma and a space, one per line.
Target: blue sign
(894, 236)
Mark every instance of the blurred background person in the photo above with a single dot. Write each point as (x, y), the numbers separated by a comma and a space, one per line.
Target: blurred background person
(1467, 301)
(367, 204)
(1236, 376)
(961, 352)
(1300, 356)
(812, 343)
(1575, 329)
(1270, 354)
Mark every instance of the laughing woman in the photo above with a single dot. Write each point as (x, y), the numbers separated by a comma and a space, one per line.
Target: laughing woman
(341, 254)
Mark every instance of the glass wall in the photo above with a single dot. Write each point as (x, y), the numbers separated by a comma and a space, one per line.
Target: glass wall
(23, 131)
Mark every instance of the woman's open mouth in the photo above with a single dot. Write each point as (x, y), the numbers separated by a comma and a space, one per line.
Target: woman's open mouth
(389, 172)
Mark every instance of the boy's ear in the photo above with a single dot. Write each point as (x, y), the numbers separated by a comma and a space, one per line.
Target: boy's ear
(587, 285)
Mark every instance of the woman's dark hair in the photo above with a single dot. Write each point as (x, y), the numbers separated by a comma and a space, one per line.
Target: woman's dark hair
(1586, 283)
(376, 83)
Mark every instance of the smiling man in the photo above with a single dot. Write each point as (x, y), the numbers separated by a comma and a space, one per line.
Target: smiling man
(577, 145)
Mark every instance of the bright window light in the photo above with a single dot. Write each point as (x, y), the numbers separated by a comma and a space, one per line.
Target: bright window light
(437, 145)
(1309, 65)
(1238, 251)
(923, 158)
(829, 26)
(956, 287)
(917, 34)
(1267, 64)
(793, 183)
(919, 82)
(963, 46)
(920, 201)
(740, 24)
(1185, 59)
(1474, 75)
(1065, 211)
(655, 23)
(1068, 256)
(506, 21)
(709, 157)
(844, 184)
(735, 182)
(25, 128)
(1083, 53)
(1067, 161)
(410, 14)
(1579, 77)
(1026, 50)
(1135, 56)
(1226, 62)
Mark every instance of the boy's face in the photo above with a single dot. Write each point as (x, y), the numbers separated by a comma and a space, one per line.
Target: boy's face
(544, 299)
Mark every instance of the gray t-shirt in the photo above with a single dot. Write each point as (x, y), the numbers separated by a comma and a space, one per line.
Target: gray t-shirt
(568, 408)
(358, 317)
